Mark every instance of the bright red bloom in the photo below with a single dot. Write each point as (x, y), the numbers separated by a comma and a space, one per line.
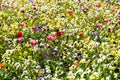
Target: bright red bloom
(19, 34)
(70, 11)
(59, 34)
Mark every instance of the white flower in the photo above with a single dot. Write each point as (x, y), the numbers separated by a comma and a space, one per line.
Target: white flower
(17, 65)
(108, 78)
(79, 71)
(99, 60)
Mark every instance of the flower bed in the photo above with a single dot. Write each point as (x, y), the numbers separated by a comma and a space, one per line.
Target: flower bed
(59, 40)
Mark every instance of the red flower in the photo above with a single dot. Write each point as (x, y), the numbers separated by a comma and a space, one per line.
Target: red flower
(70, 11)
(79, 0)
(34, 28)
(19, 34)
(99, 26)
(59, 34)
(22, 11)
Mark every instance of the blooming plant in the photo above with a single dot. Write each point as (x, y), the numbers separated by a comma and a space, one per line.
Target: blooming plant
(59, 39)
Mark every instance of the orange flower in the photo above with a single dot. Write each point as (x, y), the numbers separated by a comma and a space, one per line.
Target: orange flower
(81, 33)
(84, 40)
(2, 65)
(76, 64)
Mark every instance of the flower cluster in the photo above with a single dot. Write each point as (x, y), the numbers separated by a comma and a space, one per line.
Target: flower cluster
(59, 40)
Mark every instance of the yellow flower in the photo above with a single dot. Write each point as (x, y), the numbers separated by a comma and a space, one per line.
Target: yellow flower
(92, 72)
(34, 77)
(25, 53)
(70, 68)
(113, 52)
(113, 37)
(112, 40)
(118, 34)
(30, 49)
(1, 47)
(20, 57)
(102, 79)
(72, 79)
(29, 57)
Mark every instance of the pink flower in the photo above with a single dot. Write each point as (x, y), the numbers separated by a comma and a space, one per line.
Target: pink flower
(50, 38)
(22, 24)
(119, 16)
(83, 9)
(96, 16)
(109, 22)
(62, 25)
(106, 20)
(99, 26)
(19, 40)
(34, 28)
(97, 5)
(79, 0)
(33, 42)
(34, 4)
